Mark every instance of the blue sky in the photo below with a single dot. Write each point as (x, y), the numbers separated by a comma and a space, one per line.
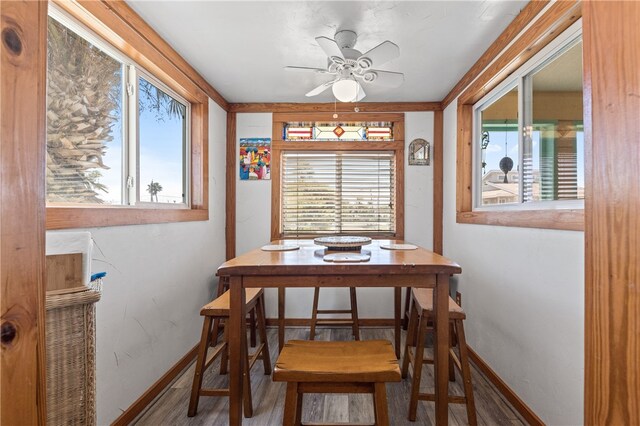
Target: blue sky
(161, 157)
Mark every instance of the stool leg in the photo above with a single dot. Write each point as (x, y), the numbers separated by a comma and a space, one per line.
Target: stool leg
(452, 371)
(409, 341)
(281, 306)
(397, 318)
(224, 358)
(200, 362)
(314, 313)
(354, 313)
(417, 368)
(262, 327)
(246, 375)
(407, 299)
(223, 284)
(380, 404)
(466, 374)
(292, 406)
(252, 328)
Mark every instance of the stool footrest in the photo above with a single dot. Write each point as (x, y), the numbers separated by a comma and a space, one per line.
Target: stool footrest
(217, 350)
(255, 356)
(214, 392)
(453, 399)
(333, 311)
(334, 321)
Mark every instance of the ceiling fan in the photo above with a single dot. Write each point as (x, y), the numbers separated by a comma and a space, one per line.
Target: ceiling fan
(350, 68)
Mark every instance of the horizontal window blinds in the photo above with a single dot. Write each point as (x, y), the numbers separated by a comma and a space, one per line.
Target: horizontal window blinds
(338, 193)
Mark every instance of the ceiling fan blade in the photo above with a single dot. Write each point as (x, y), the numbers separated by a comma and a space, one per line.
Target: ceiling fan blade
(382, 53)
(318, 70)
(330, 47)
(387, 78)
(360, 93)
(320, 89)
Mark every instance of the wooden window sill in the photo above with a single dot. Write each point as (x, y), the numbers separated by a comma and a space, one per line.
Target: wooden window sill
(570, 220)
(93, 217)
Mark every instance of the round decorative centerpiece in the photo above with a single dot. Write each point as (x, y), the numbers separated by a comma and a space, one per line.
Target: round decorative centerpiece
(342, 242)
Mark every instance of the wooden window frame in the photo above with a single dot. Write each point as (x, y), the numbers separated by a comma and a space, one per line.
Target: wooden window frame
(551, 23)
(119, 26)
(278, 146)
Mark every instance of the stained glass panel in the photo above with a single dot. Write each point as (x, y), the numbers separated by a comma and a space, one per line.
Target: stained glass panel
(359, 131)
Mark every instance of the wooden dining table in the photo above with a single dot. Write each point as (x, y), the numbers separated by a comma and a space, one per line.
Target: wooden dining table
(306, 267)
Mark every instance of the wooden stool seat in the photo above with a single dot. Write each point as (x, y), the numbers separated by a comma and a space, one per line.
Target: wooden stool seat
(336, 367)
(219, 307)
(421, 317)
(424, 299)
(319, 361)
(216, 310)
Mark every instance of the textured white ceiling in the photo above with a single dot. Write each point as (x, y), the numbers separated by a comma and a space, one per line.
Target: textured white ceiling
(241, 47)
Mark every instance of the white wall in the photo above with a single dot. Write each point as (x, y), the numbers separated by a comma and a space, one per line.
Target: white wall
(159, 276)
(523, 291)
(253, 221)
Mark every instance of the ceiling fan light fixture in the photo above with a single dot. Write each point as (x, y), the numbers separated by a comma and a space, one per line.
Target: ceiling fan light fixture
(345, 90)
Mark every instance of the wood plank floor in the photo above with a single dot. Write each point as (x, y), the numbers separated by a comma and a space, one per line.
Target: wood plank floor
(170, 408)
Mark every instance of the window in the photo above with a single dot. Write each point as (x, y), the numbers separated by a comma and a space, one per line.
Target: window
(529, 139)
(519, 153)
(124, 145)
(338, 193)
(115, 135)
(338, 177)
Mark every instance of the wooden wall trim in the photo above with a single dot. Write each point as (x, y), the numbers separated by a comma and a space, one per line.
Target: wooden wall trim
(231, 176)
(505, 390)
(130, 414)
(526, 15)
(93, 217)
(123, 16)
(612, 202)
(438, 180)
(22, 211)
(568, 220)
(339, 107)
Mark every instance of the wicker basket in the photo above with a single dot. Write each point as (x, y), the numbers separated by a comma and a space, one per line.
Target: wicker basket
(71, 356)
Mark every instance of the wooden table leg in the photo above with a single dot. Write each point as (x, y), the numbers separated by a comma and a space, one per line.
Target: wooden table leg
(281, 300)
(441, 307)
(397, 312)
(237, 333)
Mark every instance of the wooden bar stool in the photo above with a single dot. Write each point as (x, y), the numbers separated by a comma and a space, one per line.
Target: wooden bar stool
(335, 321)
(336, 367)
(421, 316)
(219, 309)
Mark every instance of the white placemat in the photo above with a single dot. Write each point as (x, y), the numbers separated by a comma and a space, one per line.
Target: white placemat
(280, 247)
(398, 246)
(346, 257)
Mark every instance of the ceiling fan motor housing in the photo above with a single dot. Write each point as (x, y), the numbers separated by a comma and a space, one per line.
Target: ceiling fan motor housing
(346, 39)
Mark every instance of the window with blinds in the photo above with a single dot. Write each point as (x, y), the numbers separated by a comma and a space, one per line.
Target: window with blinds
(343, 192)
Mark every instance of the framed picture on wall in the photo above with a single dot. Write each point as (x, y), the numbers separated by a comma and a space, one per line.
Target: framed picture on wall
(255, 158)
